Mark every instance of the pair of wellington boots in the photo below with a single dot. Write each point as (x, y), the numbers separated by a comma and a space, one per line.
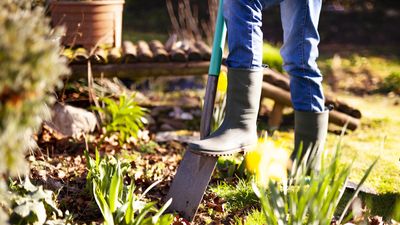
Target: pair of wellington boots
(238, 131)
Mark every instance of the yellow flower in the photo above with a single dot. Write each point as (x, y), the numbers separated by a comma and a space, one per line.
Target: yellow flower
(222, 82)
(267, 162)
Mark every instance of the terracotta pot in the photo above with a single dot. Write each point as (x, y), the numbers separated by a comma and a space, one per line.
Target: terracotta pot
(89, 23)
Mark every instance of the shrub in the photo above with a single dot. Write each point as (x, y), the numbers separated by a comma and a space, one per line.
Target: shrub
(30, 70)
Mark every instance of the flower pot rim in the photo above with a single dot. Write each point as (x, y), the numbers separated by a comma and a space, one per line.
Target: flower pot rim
(93, 2)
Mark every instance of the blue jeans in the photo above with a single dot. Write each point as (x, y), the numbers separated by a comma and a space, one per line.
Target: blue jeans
(299, 51)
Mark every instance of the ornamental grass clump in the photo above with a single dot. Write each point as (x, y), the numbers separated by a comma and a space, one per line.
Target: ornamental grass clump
(302, 196)
(30, 70)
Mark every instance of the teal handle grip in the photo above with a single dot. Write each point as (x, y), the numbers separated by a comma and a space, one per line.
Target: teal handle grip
(218, 43)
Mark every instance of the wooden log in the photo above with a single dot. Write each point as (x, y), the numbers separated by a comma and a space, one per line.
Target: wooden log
(144, 52)
(99, 56)
(114, 55)
(282, 81)
(194, 53)
(129, 52)
(159, 53)
(283, 97)
(277, 79)
(276, 115)
(80, 55)
(204, 49)
(178, 55)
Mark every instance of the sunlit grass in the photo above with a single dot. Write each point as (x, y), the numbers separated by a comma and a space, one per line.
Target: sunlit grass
(378, 136)
(255, 217)
(237, 196)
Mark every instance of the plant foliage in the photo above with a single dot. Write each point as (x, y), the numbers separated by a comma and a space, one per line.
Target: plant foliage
(391, 83)
(124, 117)
(117, 202)
(30, 70)
(308, 197)
(32, 204)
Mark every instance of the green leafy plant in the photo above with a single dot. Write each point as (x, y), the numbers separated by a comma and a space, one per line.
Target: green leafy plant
(391, 83)
(117, 202)
(230, 166)
(125, 118)
(32, 204)
(309, 197)
(30, 70)
(102, 169)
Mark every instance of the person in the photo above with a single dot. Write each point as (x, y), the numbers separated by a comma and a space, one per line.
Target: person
(245, 73)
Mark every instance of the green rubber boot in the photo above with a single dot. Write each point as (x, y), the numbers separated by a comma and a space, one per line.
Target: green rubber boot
(310, 130)
(238, 131)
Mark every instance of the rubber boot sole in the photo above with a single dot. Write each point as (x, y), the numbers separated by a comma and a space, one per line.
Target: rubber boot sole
(242, 149)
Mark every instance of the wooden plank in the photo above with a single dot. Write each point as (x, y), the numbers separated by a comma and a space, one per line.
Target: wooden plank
(194, 172)
(137, 70)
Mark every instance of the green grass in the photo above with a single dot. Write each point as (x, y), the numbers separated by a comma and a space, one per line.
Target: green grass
(378, 136)
(255, 217)
(238, 196)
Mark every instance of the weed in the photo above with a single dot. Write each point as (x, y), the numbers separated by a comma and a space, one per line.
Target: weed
(230, 166)
(148, 147)
(33, 205)
(255, 217)
(125, 118)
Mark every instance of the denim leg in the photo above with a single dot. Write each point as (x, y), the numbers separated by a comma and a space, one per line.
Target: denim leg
(300, 51)
(245, 38)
